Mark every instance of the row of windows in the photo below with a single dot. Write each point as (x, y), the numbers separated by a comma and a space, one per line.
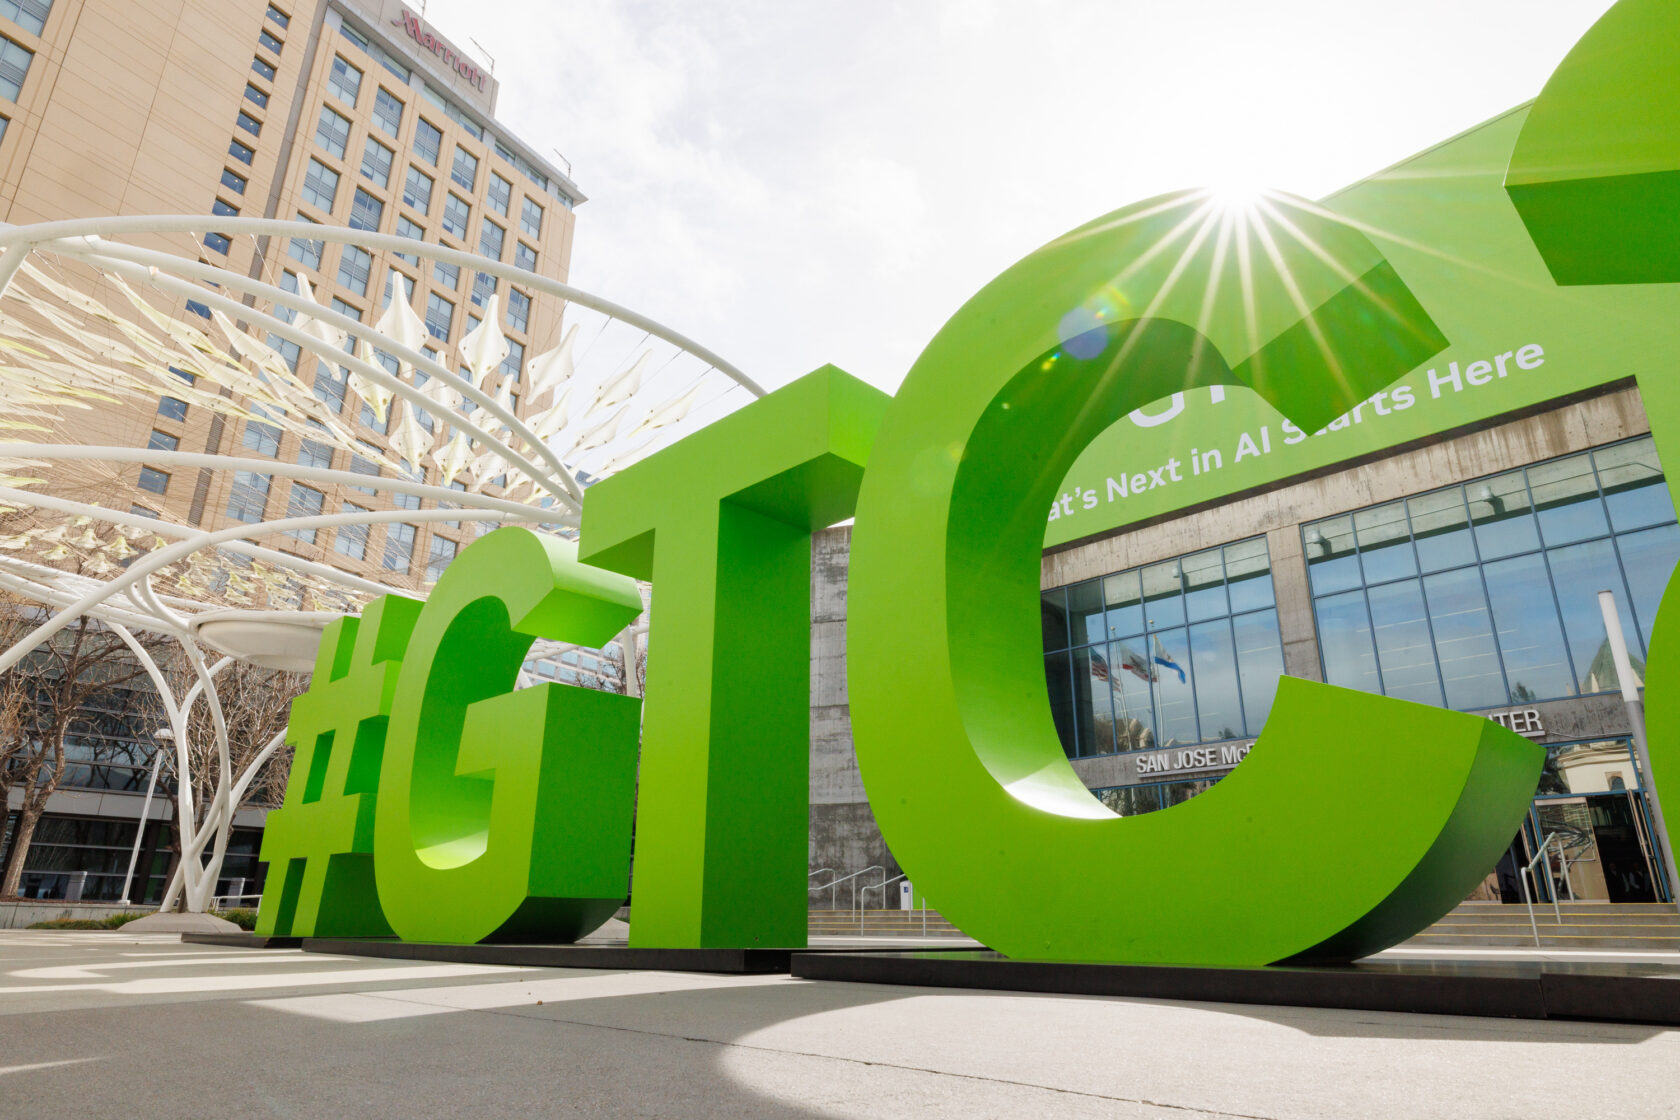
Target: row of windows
(1469, 597)
(242, 151)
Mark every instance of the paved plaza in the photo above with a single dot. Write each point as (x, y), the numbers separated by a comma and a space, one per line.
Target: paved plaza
(135, 1025)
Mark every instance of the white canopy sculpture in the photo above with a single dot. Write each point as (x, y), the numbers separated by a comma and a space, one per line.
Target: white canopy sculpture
(111, 333)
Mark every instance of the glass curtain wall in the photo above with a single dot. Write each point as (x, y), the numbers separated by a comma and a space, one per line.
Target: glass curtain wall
(1485, 593)
(1183, 651)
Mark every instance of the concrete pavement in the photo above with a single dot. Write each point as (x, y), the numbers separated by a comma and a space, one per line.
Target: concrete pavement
(106, 1023)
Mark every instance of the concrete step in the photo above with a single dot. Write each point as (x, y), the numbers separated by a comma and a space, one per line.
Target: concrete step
(1584, 925)
(884, 923)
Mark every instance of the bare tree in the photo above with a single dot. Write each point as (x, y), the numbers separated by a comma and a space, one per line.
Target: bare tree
(58, 692)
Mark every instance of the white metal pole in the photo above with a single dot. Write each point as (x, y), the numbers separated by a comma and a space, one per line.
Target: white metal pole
(1636, 719)
(145, 813)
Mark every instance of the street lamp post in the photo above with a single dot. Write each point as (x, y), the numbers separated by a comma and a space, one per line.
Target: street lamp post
(164, 736)
(1641, 747)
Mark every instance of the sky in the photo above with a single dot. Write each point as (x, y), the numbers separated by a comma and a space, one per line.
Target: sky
(795, 183)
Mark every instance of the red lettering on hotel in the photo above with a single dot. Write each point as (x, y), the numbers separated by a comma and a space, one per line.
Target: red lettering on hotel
(450, 57)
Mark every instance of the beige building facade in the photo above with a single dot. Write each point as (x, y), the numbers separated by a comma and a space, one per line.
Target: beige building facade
(342, 112)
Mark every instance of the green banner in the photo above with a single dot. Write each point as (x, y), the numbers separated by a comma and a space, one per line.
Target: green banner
(1445, 223)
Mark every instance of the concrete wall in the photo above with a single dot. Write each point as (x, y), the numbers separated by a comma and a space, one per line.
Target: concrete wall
(22, 915)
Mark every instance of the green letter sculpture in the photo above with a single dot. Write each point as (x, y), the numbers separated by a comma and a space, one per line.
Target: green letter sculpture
(319, 843)
(1313, 847)
(506, 814)
(722, 522)
(1595, 176)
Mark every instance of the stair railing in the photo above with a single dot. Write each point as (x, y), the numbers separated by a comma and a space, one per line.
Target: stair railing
(863, 895)
(851, 879)
(812, 889)
(1522, 880)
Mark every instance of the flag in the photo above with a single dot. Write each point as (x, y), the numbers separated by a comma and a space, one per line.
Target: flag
(1135, 663)
(1099, 667)
(1166, 662)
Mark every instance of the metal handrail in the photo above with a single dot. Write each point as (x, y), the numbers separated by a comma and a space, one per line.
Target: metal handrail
(1522, 881)
(809, 889)
(881, 886)
(848, 878)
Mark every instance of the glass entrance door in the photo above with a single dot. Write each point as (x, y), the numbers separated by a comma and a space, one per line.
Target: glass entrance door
(1606, 854)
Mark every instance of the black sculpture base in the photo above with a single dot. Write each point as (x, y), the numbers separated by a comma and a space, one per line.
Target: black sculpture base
(602, 954)
(1628, 993)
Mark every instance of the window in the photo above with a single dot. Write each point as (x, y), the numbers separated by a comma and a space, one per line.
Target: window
(428, 141)
(440, 316)
(14, 68)
(483, 287)
(241, 152)
(355, 266)
(248, 497)
(407, 228)
(245, 121)
(351, 540)
(269, 43)
(262, 68)
(262, 438)
(345, 81)
(376, 162)
(353, 312)
(320, 185)
(530, 218)
(198, 309)
(1183, 651)
(387, 113)
(305, 501)
(1484, 594)
(312, 453)
(278, 18)
(455, 215)
(256, 96)
(333, 131)
(189, 378)
(465, 169)
(217, 242)
(329, 387)
(225, 209)
(399, 548)
(234, 183)
(306, 252)
(447, 275)
(417, 189)
(490, 238)
(31, 15)
(366, 211)
(524, 256)
(378, 52)
(162, 441)
(442, 552)
(515, 358)
(288, 350)
(519, 310)
(500, 194)
(153, 480)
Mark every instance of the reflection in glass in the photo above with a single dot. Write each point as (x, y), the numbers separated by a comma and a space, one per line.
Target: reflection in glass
(1464, 644)
(1332, 564)
(1259, 664)
(1248, 575)
(1404, 652)
(1054, 609)
(1163, 603)
(1058, 679)
(1130, 672)
(1500, 512)
(1125, 603)
(1648, 559)
(1525, 620)
(1441, 528)
(1204, 585)
(1566, 500)
(1633, 485)
(1344, 633)
(1175, 699)
(1214, 662)
(1093, 710)
(1385, 543)
(1579, 572)
(1085, 612)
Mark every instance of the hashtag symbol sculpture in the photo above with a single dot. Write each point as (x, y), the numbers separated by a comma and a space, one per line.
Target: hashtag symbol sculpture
(319, 843)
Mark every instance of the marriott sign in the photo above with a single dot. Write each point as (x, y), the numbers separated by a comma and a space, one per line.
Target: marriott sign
(451, 57)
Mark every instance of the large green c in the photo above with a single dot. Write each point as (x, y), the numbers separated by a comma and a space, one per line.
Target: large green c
(1312, 847)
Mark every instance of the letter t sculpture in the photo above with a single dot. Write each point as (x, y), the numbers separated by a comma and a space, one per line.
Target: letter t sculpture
(721, 523)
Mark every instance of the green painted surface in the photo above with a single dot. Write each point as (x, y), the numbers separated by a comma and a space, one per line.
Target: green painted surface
(506, 814)
(722, 522)
(319, 844)
(1310, 846)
